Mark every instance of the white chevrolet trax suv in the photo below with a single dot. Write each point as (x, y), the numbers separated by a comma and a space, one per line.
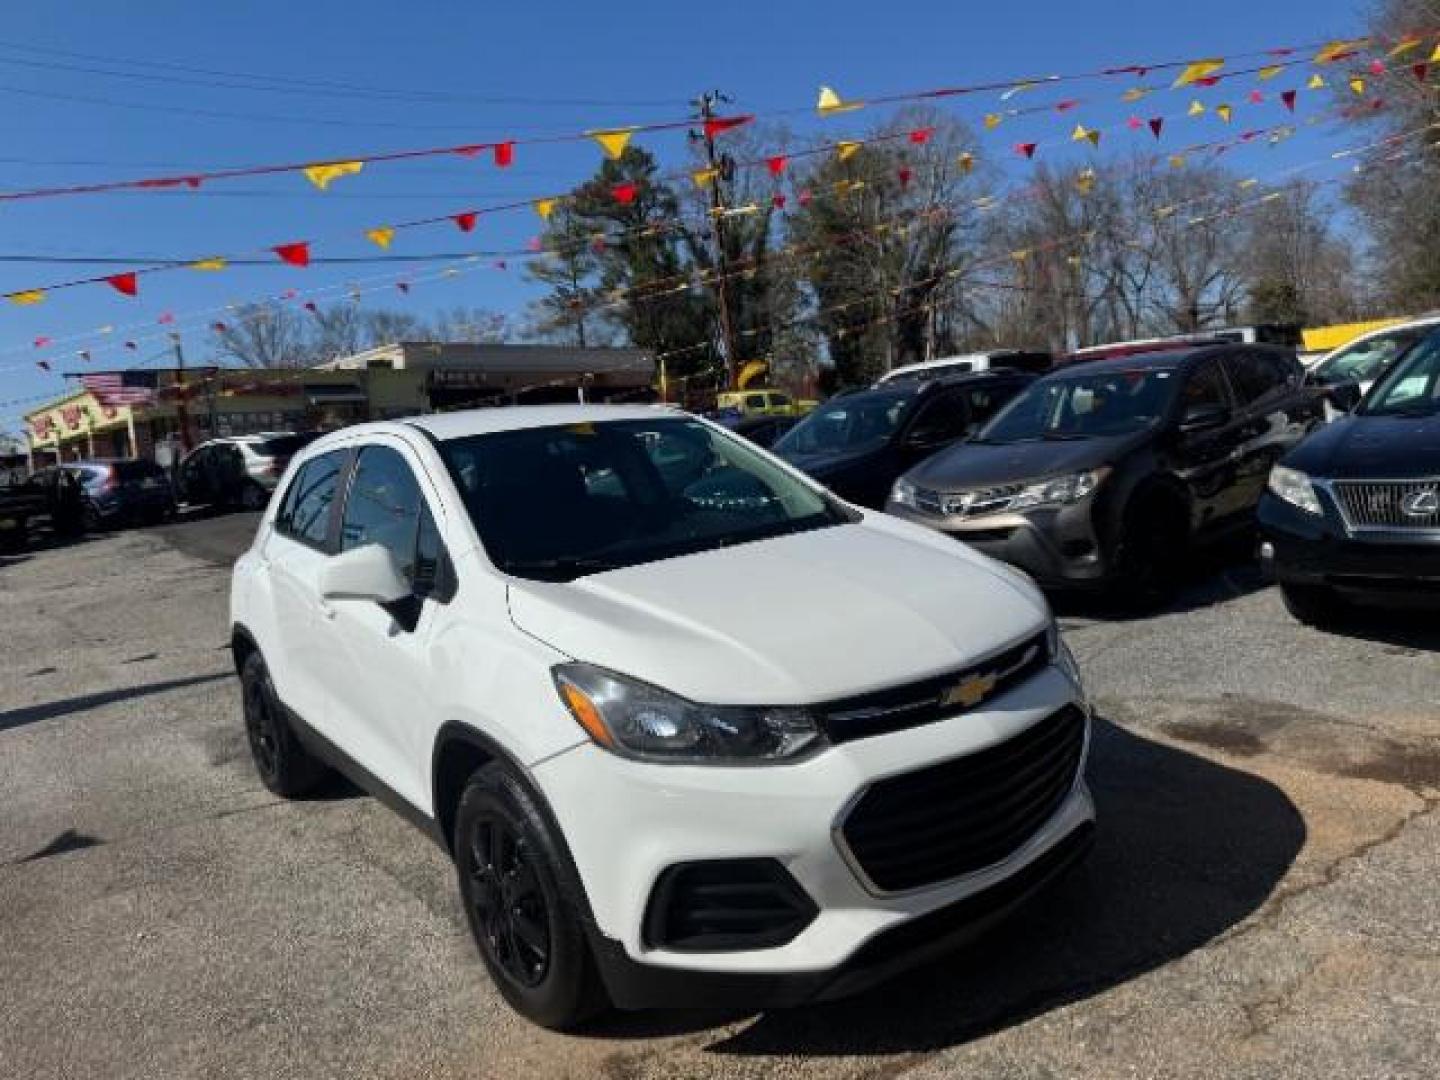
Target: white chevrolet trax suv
(693, 731)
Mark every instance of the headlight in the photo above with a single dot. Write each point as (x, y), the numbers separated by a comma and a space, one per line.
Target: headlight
(637, 720)
(1061, 491)
(1295, 488)
(1062, 657)
(903, 494)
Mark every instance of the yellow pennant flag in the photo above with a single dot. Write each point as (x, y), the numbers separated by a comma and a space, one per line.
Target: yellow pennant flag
(830, 103)
(1406, 44)
(1084, 134)
(1196, 109)
(703, 178)
(613, 142)
(381, 237)
(1085, 181)
(966, 162)
(1265, 74)
(322, 175)
(992, 121)
(26, 298)
(1224, 112)
(1337, 50)
(1357, 84)
(545, 207)
(1198, 70)
(751, 369)
(208, 264)
(1165, 211)
(1021, 255)
(1246, 185)
(846, 149)
(1177, 161)
(1435, 56)
(1316, 82)
(1135, 93)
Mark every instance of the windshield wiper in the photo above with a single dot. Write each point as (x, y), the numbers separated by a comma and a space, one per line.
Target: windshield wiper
(563, 567)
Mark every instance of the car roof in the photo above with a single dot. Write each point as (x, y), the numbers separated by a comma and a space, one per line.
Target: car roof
(458, 425)
(1160, 360)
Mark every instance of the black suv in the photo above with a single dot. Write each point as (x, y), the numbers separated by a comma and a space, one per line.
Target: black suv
(1104, 473)
(857, 443)
(1353, 513)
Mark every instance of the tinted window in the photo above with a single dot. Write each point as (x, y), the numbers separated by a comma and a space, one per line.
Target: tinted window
(282, 445)
(941, 419)
(138, 470)
(1086, 404)
(383, 506)
(1205, 387)
(755, 401)
(854, 423)
(779, 400)
(1252, 375)
(305, 513)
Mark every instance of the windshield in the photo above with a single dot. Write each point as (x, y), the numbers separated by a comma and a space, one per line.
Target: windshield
(1366, 361)
(555, 503)
(850, 424)
(1085, 405)
(1412, 387)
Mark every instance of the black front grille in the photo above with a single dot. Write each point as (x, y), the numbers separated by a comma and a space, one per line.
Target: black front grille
(929, 700)
(963, 815)
(726, 904)
(1390, 504)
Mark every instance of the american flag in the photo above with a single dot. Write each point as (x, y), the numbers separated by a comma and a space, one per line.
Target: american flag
(121, 387)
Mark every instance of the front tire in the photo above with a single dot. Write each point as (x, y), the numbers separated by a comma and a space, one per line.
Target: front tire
(527, 928)
(1314, 605)
(285, 767)
(1148, 557)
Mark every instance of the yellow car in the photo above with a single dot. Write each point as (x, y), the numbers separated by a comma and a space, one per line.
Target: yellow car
(762, 403)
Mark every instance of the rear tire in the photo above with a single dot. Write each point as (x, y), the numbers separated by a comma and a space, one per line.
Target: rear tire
(285, 767)
(1314, 605)
(1148, 556)
(527, 927)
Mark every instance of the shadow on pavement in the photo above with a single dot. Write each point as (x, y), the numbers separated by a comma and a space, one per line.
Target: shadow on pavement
(1186, 850)
(1412, 631)
(34, 714)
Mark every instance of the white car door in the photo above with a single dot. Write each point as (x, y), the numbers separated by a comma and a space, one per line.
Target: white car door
(295, 554)
(383, 692)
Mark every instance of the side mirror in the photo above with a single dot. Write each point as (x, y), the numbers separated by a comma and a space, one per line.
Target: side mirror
(1344, 394)
(364, 573)
(1201, 418)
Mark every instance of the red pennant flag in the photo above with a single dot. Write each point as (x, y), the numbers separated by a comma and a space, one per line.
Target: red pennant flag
(1134, 123)
(288, 294)
(165, 318)
(41, 342)
(193, 181)
(598, 245)
(297, 254)
(500, 264)
(124, 283)
(505, 153)
(625, 193)
(920, 136)
(470, 151)
(1377, 67)
(777, 164)
(1420, 71)
(1280, 52)
(1157, 125)
(310, 307)
(403, 286)
(218, 327)
(1066, 105)
(466, 221)
(1256, 97)
(1027, 148)
(778, 201)
(905, 175)
(1208, 80)
(716, 124)
(805, 197)
(43, 365)
(1288, 97)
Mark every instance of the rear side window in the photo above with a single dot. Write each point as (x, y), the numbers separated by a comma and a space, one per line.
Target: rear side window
(755, 401)
(305, 513)
(138, 470)
(1253, 375)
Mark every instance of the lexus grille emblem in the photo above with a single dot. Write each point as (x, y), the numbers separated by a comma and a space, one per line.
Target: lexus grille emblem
(1422, 503)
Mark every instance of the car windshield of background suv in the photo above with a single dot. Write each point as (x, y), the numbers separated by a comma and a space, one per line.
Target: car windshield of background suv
(1412, 387)
(849, 423)
(1366, 361)
(556, 503)
(1085, 406)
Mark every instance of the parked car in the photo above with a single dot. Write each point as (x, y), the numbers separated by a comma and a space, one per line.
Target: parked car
(1369, 356)
(20, 504)
(761, 430)
(1031, 360)
(238, 471)
(856, 444)
(124, 491)
(65, 498)
(505, 622)
(762, 403)
(1106, 473)
(1353, 512)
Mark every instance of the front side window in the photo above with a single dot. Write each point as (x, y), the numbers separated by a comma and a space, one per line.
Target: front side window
(383, 506)
(941, 419)
(1085, 405)
(1205, 388)
(555, 503)
(305, 513)
(1411, 387)
(1253, 376)
(1366, 361)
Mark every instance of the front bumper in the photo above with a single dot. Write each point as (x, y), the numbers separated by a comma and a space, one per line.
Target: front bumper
(1058, 547)
(627, 822)
(1305, 549)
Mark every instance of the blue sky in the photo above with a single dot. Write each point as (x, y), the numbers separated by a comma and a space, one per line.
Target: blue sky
(493, 71)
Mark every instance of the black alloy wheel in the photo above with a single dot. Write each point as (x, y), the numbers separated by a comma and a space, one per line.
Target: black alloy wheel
(260, 729)
(285, 767)
(510, 906)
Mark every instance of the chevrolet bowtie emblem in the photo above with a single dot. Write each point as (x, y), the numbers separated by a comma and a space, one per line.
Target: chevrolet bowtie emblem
(969, 691)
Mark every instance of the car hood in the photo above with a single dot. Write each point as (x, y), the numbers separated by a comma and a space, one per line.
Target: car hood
(793, 620)
(972, 465)
(1374, 447)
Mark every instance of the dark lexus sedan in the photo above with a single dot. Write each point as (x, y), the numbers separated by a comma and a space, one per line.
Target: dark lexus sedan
(856, 444)
(1106, 473)
(1353, 513)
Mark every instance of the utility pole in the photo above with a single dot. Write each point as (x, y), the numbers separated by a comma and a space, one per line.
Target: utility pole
(724, 168)
(182, 414)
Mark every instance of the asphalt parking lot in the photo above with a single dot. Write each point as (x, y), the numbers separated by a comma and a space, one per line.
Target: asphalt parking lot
(1261, 902)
